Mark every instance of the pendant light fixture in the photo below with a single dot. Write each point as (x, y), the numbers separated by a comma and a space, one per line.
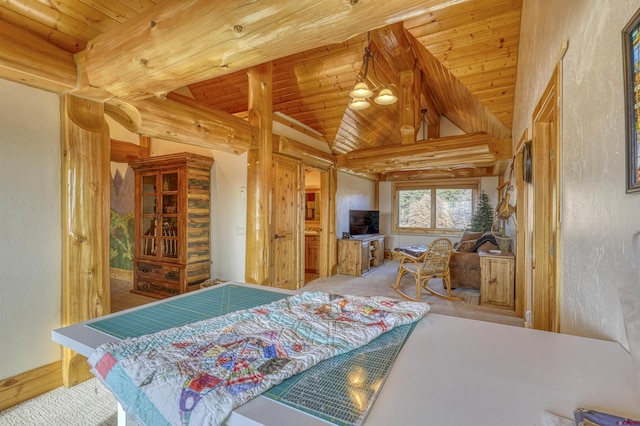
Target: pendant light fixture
(361, 92)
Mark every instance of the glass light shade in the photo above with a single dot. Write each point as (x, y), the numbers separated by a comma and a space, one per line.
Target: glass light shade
(359, 103)
(361, 90)
(386, 97)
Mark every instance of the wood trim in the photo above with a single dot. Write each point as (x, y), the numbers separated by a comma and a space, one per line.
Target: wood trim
(545, 281)
(522, 238)
(27, 385)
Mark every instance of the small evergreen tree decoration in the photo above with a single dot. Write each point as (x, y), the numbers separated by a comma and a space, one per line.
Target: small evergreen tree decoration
(482, 219)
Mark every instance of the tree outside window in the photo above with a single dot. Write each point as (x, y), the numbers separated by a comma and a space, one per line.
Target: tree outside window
(433, 208)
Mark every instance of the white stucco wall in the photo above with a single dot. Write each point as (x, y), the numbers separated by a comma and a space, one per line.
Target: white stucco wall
(598, 217)
(352, 193)
(30, 282)
(228, 207)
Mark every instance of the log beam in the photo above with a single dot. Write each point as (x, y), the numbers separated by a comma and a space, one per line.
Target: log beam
(181, 119)
(22, 55)
(178, 43)
(125, 152)
(464, 151)
(415, 175)
(409, 102)
(307, 154)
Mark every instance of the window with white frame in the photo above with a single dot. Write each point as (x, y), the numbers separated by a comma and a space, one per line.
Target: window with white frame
(426, 207)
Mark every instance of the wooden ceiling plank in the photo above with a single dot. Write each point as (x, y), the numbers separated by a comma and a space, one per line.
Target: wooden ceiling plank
(448, 25)
(490, 44)
(457, 102)
(145, 56)
(114, 10)
(139, 5)
(465, 11)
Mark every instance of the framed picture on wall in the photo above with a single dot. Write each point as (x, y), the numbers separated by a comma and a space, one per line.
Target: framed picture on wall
(631, 58)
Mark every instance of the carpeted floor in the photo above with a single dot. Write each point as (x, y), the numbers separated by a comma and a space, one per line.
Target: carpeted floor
(90, 404)
(378, 282)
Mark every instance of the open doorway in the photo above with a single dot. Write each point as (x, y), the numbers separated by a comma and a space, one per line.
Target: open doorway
(312, 224)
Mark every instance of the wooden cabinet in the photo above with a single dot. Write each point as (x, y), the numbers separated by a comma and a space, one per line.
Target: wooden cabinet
(360, 254)
(497, 279)
(171, 224)
(311, 246)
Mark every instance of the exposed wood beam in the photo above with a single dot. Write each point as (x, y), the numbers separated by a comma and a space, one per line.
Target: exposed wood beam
(178, 43)
(309, 155)
(476, 149)
(437, 174)
(181, 119)
(124, 152)
(409, 105)
(397, 50)
(22, 55)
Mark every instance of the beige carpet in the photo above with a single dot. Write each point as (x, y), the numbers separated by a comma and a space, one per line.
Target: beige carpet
(379, 281)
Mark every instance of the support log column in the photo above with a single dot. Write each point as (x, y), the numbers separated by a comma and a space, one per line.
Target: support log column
(409, 105)
(259, 176)
(85, 222)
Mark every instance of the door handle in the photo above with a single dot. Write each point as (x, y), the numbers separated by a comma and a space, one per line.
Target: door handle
(277, 236)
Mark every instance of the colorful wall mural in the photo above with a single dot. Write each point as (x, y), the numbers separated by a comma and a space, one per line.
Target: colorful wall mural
(122, 220)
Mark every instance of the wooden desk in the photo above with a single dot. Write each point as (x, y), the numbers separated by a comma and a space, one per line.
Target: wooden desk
(457, 371)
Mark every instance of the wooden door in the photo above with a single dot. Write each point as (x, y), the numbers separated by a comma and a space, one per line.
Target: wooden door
(546, 214)
(287, 219)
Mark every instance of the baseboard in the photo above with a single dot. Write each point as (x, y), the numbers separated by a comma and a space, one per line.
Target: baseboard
(24, 386)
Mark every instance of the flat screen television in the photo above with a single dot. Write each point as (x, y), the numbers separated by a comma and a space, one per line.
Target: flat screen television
(363, 222)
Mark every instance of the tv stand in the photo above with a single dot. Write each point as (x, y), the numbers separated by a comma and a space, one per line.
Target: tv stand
(360, 254)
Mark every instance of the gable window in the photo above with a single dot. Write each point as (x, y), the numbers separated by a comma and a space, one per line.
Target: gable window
(425, 207)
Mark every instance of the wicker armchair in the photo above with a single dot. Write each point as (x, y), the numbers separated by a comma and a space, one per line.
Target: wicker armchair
(433, 263)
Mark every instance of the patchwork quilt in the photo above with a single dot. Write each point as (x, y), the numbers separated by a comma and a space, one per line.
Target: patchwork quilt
(197, 374)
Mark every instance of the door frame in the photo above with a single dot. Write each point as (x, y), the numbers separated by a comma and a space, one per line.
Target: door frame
(546, 152)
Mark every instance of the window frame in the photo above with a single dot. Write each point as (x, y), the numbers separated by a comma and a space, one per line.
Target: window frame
(433, 186)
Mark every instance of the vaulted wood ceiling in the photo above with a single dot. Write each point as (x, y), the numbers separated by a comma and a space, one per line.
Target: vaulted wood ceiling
(455, 58)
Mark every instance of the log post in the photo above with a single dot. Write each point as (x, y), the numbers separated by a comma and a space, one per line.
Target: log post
(85, 222)
(259, 176)
(408, 106)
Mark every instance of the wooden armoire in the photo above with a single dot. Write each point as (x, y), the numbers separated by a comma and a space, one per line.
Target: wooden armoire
(172, 220)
